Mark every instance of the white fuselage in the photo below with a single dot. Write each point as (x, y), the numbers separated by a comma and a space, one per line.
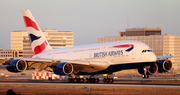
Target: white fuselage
(104, 52)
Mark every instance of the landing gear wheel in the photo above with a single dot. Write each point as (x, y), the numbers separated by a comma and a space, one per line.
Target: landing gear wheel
(82, 80)
(97, 80)
(145, 76)
(86, 80)
(108, 80)
(104, 80)
(69, 80)
(111, 80)
(75, 80)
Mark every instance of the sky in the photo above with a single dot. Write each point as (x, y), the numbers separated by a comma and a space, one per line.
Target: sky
(90, 19)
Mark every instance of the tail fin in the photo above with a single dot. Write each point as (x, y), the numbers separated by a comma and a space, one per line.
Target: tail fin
(36, 37)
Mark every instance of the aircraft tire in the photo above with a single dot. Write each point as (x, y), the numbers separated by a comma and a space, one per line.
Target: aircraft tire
(75, 80)
(108, 80)
(97, 80)
(111, 80)
(86, 80)
(104, 80)
(93, 80)
(147, 76)
(81, 80)
(69, 80)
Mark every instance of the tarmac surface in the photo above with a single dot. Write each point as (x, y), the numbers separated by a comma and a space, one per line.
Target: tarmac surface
(119, 81)
(121, 78)
(116, 83)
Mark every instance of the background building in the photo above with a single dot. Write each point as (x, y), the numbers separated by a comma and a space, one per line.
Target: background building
(160, 44)
(11, 53)
(57, 39)
(140, 32)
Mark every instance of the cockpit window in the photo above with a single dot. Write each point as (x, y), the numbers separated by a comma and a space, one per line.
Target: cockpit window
(146, 51)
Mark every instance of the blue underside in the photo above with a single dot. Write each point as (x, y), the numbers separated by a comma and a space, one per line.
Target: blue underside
(119, 67)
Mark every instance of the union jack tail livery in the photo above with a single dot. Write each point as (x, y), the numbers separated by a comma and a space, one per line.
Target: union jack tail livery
(37, 38)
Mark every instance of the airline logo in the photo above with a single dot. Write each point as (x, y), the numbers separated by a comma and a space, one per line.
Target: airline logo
(31, 23)
(113, 53)
(131, 46)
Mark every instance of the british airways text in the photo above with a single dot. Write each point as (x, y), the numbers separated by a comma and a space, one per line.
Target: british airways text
(110, 53)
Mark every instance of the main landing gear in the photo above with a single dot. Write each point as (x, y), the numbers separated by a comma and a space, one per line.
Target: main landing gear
(76, 79)
(81, 80)
(108, 79)
(92, 79)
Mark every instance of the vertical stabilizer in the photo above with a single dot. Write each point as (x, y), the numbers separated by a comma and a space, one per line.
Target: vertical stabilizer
(36, 37)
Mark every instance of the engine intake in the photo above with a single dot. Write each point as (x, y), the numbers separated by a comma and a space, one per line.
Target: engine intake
(164, 65)
(153, 69)
(150, 71)
(63, 68)
(16, 66)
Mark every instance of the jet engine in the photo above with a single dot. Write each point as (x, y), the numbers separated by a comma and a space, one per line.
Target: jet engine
(150, 71)
(164, 65)
(16, 66)
(63, 68)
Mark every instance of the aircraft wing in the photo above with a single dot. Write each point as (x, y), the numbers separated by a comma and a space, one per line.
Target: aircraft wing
(164, 57)
(48, 64)
(5, 60)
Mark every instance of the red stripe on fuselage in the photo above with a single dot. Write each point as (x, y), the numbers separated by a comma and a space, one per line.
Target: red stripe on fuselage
(30, 23)
(126, 45)
(40, 48)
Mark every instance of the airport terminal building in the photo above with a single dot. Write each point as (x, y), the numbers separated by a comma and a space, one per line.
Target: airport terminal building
(11, 53)
(57, 39)
(160, 44)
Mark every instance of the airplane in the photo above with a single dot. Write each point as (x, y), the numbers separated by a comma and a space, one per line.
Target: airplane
(93, 59)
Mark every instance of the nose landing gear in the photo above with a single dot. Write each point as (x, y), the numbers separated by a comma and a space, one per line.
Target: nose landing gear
(145, 75)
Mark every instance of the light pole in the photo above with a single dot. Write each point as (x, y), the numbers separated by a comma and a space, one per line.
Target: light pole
(90, 90)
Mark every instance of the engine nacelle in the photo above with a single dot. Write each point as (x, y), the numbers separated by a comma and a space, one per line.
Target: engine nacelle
(164, 65)
(63, 68)
(153, 69)
(150, 71)
(16, 66)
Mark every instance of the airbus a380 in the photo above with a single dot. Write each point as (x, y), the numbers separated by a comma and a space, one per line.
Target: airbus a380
(103, 58)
